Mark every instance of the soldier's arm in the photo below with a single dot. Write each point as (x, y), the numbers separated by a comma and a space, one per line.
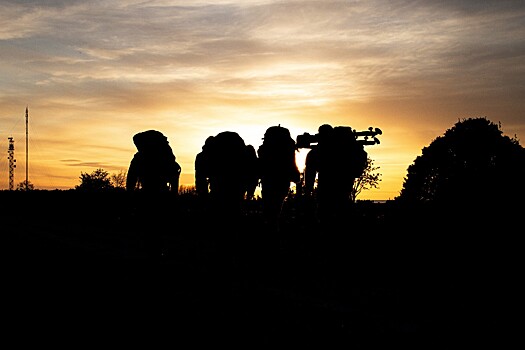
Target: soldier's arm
(310, 171)
(201, 180)
(132, 177)
(174, 178)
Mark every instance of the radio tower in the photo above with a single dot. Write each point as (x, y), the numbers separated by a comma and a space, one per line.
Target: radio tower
(12, 161)
(27, 152)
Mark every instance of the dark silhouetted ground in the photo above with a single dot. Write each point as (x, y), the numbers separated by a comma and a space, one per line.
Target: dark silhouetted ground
(94, 269)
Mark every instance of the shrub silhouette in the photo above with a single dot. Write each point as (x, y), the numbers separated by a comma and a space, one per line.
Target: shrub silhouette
(369, 179)
(98, 180)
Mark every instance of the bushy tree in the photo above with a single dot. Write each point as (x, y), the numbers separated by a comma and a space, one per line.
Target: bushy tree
(118, 180)
(473, 161)
(369, 179)
(98, 180)
(22, 186)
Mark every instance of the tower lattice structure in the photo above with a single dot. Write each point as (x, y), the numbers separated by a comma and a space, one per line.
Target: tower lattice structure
(12, 163)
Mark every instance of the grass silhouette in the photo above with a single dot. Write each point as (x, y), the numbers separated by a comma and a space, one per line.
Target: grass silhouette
(384, 274)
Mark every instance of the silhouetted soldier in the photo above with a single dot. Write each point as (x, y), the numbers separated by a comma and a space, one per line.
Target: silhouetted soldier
(153, 179)
(336, 161)
(224, 173)
(278, 168)
(154, 168)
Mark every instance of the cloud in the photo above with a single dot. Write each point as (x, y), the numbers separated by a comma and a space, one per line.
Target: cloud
(95, 72)
(140, 43)
(78, 163)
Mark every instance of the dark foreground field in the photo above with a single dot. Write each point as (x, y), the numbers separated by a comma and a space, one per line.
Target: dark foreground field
(95, 269)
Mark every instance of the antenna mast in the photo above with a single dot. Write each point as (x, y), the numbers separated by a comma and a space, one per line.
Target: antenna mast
(12, 161)
(27, 151)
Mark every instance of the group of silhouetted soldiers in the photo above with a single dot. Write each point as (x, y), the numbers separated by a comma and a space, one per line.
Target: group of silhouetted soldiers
(227, 171)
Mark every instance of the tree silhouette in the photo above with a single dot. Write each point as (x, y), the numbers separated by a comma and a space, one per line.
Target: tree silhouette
(367, 180)
(473, 161)
(22, 186)
(98, 180)
(118, 180)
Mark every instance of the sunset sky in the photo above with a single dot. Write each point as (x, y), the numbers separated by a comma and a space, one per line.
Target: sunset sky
(94, 73)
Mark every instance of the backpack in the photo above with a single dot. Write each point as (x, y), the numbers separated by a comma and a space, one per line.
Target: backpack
(226, 151)
(277, 154)
(228, 164)
(154, 165)
(354, 154)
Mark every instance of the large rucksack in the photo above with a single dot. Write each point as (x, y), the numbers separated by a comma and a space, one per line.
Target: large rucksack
(154, 167)
(227, 163)
(226, 152)
(354, 157)
(277, 154)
